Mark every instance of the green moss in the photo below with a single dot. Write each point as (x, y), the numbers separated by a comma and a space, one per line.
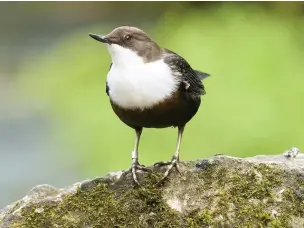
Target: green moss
(226, 194)
(247, 196)
(295, 202)
(101, 207)
(200, 219)
(276, 223)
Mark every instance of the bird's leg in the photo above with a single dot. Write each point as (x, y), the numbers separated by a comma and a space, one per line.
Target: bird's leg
(135, 164)
(175, 159)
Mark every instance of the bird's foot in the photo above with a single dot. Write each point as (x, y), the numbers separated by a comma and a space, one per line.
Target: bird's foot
(172, 164)
(136, 166)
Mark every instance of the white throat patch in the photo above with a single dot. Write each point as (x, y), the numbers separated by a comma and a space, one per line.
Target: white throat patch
(135, 84)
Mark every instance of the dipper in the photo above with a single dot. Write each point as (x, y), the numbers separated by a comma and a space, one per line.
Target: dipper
(150, 87)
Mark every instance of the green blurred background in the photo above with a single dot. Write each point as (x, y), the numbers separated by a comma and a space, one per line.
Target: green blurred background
(56, 123)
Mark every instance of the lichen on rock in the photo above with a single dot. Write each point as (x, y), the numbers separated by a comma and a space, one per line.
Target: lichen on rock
(263, 191)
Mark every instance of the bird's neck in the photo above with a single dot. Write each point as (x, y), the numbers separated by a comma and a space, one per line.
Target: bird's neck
(124, 57)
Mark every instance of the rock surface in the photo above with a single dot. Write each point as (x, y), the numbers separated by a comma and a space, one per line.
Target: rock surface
(222, 191)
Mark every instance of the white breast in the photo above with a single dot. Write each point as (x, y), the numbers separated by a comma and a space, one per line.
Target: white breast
(135, 84)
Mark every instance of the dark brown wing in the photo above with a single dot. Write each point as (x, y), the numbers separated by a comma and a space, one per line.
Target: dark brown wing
(201, 75)
(181, 68)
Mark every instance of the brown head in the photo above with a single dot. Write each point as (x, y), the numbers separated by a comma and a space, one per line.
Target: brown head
(125, 40)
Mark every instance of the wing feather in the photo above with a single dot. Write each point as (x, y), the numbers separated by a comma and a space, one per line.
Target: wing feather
(181, 68)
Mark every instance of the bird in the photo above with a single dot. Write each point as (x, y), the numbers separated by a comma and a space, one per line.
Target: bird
(150, 87)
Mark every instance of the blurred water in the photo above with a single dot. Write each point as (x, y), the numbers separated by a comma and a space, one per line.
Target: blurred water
(27, 155)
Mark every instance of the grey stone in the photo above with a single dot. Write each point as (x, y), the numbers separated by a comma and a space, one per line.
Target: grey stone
(222, 191)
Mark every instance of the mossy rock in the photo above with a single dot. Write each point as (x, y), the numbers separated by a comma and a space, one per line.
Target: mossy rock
(263, 191)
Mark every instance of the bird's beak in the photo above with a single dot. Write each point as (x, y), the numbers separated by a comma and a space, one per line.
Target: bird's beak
(100, 38)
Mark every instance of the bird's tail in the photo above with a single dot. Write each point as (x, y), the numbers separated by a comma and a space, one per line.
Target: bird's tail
(201, 75)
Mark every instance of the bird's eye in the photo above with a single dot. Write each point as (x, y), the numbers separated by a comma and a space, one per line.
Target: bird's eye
(127, 37)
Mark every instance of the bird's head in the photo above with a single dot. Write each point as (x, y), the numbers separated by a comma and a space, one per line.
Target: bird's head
(128, 45)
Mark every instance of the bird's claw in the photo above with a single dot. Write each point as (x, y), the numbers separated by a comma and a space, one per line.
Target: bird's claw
(137, 166)
(172, 164)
